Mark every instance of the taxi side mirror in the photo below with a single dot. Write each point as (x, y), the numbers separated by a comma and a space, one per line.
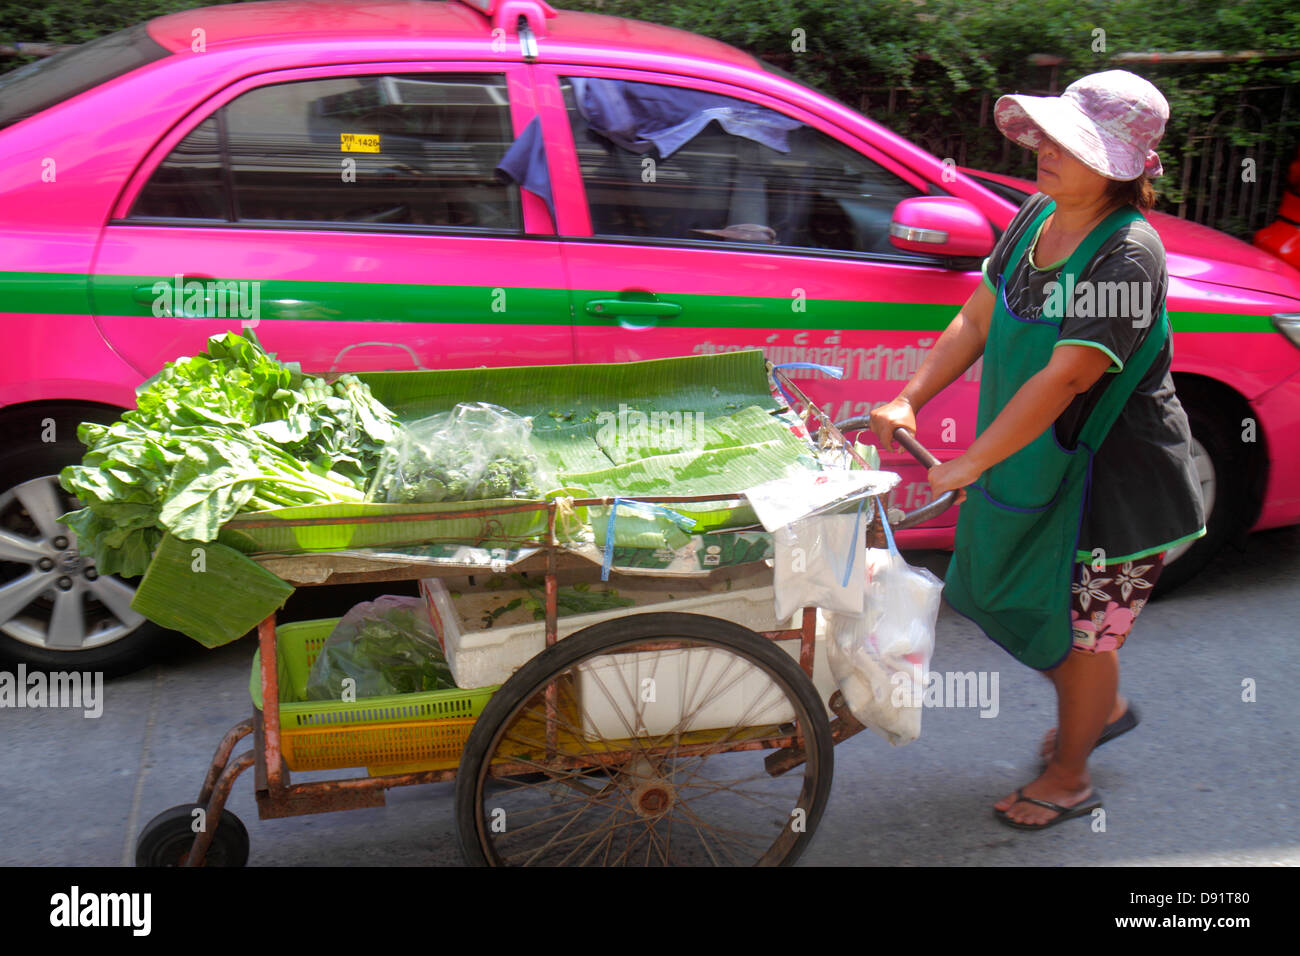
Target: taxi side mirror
(940, 226)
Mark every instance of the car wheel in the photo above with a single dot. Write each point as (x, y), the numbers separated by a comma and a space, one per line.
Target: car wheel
(56, 611)
(1222, 467)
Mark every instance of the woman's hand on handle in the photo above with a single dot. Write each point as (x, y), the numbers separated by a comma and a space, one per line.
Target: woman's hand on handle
(952, 476)
(961, 343)
(885, 418)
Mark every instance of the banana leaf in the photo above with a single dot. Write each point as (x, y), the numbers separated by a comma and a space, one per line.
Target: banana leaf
(207, 591)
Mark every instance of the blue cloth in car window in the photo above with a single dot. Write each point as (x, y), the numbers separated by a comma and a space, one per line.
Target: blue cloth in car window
(637, 116)
(525, 163)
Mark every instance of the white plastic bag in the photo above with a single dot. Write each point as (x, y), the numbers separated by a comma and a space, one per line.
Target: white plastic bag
(817, 562)
(880, 658)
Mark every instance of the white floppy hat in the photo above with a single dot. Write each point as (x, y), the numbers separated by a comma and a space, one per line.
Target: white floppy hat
(1109, 121)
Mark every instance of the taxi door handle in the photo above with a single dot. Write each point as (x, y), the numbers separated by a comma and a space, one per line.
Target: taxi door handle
(146, 294)
(631, 307)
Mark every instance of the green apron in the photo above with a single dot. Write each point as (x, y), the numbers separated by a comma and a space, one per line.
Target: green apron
(1018, 529)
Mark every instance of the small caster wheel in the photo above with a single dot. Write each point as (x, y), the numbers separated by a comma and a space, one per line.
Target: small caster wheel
(167, 838)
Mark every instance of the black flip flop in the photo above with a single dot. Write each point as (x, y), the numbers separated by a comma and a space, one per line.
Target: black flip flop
(1084, 807)
(1126, 722)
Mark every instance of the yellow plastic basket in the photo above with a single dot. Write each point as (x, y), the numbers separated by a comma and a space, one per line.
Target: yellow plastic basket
(397, 734)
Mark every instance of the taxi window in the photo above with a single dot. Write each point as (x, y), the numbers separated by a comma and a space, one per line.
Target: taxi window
(30, 89)
(402, 150)
(189, 184)
(816, 193)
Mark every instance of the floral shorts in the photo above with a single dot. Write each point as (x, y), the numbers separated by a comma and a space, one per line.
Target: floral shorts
(1104, 604)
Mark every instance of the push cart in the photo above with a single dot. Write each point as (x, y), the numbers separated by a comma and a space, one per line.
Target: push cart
(651, 737)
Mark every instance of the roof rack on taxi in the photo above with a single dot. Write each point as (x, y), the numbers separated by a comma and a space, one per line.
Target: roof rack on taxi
(506, 14)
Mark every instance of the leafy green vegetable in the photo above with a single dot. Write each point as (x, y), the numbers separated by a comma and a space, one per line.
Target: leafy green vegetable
(383, 653)
(510, 477)
(228, 430)
(577, 599)
(473, 453)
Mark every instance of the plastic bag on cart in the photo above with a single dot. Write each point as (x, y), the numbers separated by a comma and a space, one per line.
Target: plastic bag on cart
(881, 658)
(817, 562)
(385, 646)
(473, 452)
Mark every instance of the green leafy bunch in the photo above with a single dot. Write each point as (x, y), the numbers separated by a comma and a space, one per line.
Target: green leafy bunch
(577, 599)
(435, 473)
(385, 656)
(230, 429)
(509, 478)
(475, 452)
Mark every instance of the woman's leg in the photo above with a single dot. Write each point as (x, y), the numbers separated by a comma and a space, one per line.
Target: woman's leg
(1087, 682)
(1086, 686)
(1104, 605)
(1085, 692)
(1116, 712)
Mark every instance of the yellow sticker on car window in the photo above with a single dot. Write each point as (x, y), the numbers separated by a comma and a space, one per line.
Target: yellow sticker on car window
(359, 142)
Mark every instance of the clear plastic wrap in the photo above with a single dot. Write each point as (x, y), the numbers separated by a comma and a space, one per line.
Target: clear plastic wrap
(474, 452)
(881, 657)
(386, 646)
(817, 562)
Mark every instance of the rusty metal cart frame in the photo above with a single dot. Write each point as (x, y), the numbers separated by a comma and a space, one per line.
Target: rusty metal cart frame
(278, 796)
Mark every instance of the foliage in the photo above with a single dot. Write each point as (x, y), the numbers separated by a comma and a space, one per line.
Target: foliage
(950, 58)
(385, 648)
(227, 430)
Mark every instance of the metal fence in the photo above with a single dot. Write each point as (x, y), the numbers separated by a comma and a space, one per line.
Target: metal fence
(1229, 171)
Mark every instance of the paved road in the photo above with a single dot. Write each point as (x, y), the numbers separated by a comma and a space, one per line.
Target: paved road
(1206, 778)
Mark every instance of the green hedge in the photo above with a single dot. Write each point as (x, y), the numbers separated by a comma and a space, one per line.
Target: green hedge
(944, 55)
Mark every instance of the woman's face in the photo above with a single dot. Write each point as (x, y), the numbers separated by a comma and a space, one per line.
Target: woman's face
(1065, 179)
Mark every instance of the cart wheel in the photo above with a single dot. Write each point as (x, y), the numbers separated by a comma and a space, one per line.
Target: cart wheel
(654, 755)
(167, 838)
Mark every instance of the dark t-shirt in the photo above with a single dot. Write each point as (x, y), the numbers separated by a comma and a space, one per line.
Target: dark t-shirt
(1145, 495)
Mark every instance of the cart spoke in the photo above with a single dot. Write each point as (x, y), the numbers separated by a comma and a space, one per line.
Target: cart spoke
(557, 841)
(700, 835)
(722, 744)
(721, 834)
(599, 772)
(716, 786)
(551, 842)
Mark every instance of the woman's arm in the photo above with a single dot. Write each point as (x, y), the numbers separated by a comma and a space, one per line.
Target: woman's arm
(961, 343)
(1073, 369)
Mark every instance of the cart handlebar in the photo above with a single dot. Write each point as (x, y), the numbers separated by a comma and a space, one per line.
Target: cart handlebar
(907, 519)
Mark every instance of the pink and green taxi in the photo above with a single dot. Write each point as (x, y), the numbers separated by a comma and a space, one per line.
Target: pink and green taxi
(380, 185)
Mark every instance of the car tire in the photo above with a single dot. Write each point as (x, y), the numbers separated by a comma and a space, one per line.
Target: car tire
(1223, 463)
(114, 640)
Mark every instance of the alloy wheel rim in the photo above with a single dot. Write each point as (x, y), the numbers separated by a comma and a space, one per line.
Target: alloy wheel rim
(51, 596)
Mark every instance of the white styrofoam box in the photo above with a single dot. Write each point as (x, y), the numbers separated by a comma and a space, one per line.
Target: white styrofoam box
(483, 658)
(716, 688)
(658, 692)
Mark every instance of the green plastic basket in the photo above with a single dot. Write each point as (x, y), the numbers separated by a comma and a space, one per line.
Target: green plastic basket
(394, 734)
